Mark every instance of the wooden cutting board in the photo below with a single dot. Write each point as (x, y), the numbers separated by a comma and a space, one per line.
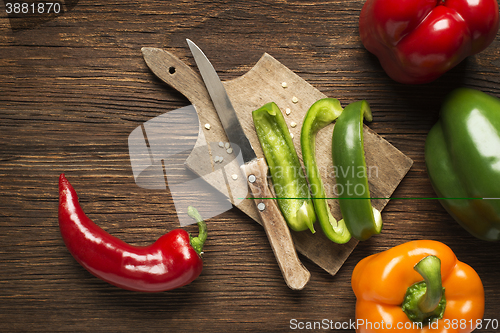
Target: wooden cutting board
(271, 81)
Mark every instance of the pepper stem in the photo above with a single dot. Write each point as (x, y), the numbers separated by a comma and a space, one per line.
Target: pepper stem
(197, 242)
(424, 301)
(430, 269)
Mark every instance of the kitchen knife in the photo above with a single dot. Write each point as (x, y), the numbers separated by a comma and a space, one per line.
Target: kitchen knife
(255, 169)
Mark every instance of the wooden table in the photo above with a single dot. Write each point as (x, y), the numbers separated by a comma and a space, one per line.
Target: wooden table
(74, 86)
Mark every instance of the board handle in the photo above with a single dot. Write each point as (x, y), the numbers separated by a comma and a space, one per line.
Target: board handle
(295, 274)
(177, 74)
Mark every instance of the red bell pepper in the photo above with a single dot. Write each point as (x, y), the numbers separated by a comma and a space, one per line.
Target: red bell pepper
(170, 262)
(416, 41)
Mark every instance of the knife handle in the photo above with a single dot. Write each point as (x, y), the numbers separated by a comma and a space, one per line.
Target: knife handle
(295, 274)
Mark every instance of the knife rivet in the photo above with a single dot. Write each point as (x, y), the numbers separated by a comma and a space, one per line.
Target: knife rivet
(261, 206)
(252, 179)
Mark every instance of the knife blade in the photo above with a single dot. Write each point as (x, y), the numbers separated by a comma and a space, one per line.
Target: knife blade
(255, 169)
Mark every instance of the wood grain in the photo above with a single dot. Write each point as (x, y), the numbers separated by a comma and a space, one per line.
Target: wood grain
(74, 88)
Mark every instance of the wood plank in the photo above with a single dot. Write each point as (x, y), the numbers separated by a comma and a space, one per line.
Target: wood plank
(386, 166)
(73, 89)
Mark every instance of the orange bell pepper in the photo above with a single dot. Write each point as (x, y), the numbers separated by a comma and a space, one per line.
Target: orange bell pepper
(450, 299)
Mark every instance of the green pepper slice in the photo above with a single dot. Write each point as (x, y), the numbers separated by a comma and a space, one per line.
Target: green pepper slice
(319, 115)
(362, 220)
(289, 182)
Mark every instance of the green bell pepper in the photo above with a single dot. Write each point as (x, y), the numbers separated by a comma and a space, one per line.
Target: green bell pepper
(462, 154)
(289, 182)
(362, 220)
(319, 115)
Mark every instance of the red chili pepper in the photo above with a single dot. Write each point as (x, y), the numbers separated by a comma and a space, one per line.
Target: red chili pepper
(170, 262)
(417, 41)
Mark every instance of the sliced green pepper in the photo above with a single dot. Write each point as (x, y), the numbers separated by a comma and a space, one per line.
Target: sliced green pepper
(289, 182)
(319, 115)
(348, 156)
